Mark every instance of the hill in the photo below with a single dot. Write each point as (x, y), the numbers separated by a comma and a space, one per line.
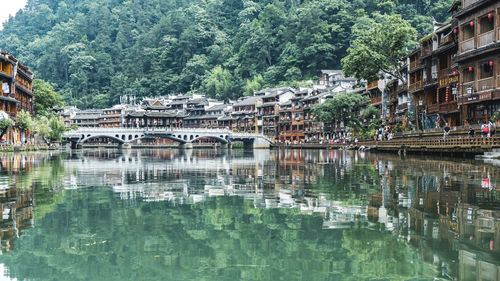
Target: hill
(95, 51)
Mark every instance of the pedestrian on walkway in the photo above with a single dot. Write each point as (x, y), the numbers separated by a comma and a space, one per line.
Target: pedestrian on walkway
(492, 128)
(472, 134)
(446, 130)
(484, 130)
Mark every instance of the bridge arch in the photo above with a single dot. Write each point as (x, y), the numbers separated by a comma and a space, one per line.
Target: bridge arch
(82, 141)
(220, 139)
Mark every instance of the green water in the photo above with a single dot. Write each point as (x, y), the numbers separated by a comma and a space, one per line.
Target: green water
(247, 215)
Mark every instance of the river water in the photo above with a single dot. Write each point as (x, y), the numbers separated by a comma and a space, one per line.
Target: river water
(247, 215)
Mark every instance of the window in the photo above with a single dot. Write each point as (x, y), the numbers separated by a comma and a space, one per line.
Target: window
(443, 62)
(486, 70)
(487, 23)
(467, 31)
(468, 75)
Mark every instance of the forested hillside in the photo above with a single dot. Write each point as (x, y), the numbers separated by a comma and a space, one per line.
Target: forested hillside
(94, 51)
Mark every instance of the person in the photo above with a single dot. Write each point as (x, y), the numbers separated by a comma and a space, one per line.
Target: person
(492, 128)
(446, 130)
(484, 130)
(471, 132)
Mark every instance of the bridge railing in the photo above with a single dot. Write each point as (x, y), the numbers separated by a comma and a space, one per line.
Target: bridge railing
(200, 131)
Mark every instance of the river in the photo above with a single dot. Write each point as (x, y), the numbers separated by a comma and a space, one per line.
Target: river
(247, 215)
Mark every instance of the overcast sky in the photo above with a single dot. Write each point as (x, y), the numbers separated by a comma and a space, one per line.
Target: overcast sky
(10, 7)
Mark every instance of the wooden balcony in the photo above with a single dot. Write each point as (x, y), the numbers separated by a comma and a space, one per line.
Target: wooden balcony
(26, 89)
(376, 100)
(414, 64)
(468, 88)
(372, 85)
(444, 73)
(486, 38)
(426, 51)
(415, 86)
(433, 108)
(448, 107)
(402, 107)
(467, 45)
(467, 3)
(486, 84)
(5, 74)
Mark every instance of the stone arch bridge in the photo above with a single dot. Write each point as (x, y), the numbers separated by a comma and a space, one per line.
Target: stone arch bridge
(185, 137)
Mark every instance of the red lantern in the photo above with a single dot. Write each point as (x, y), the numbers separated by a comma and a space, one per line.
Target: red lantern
(490, 16)
(455, 31)
(470, 68)
(491, 63)
(472, 24)
(454, 73)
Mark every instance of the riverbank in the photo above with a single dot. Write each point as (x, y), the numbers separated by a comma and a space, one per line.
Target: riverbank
(14, 148)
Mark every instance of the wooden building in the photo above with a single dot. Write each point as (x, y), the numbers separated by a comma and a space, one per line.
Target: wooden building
(16, 93)
(478, 59)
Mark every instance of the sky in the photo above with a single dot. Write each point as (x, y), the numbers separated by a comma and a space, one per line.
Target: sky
(10, 7)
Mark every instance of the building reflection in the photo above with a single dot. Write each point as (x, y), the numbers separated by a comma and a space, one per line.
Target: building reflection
(16, 198)
(449, 210)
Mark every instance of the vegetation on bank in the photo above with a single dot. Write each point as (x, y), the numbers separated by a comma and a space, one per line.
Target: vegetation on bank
(93, 52)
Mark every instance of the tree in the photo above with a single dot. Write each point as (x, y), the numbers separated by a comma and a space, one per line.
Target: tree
(43, 129)
(344, 107)
(57, 128)
(158, 47)
(253, 85)
(5, 124)
(219, 84)
(45, 97)
(24, 121)
(378, 48)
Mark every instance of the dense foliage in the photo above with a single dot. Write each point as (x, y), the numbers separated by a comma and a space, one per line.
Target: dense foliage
(344, 107)
(378, 48)
(45, 97)
(95, 51)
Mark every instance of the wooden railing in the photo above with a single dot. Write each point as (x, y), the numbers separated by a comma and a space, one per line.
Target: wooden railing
(466, 86)
(486, 38)
(459, 142)
(486, 84)
(467, 3)
(444, 73)
(372, 85)
(376, 100)
(414, 64)
(448, 107)
(467, 45)
(415, 86)
(426, 51)
(433, 107)
(402, 106)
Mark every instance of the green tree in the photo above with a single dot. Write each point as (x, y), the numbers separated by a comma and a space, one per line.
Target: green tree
(254, 84)
(43, 129)
(344, 107)
(45, 97)
(24, 121)
(57, 128)
(5, 124)
(219, 84)
(158, 47)
(378, 48)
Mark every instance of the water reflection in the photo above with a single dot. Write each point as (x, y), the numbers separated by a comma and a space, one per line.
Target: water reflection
(252, 215)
